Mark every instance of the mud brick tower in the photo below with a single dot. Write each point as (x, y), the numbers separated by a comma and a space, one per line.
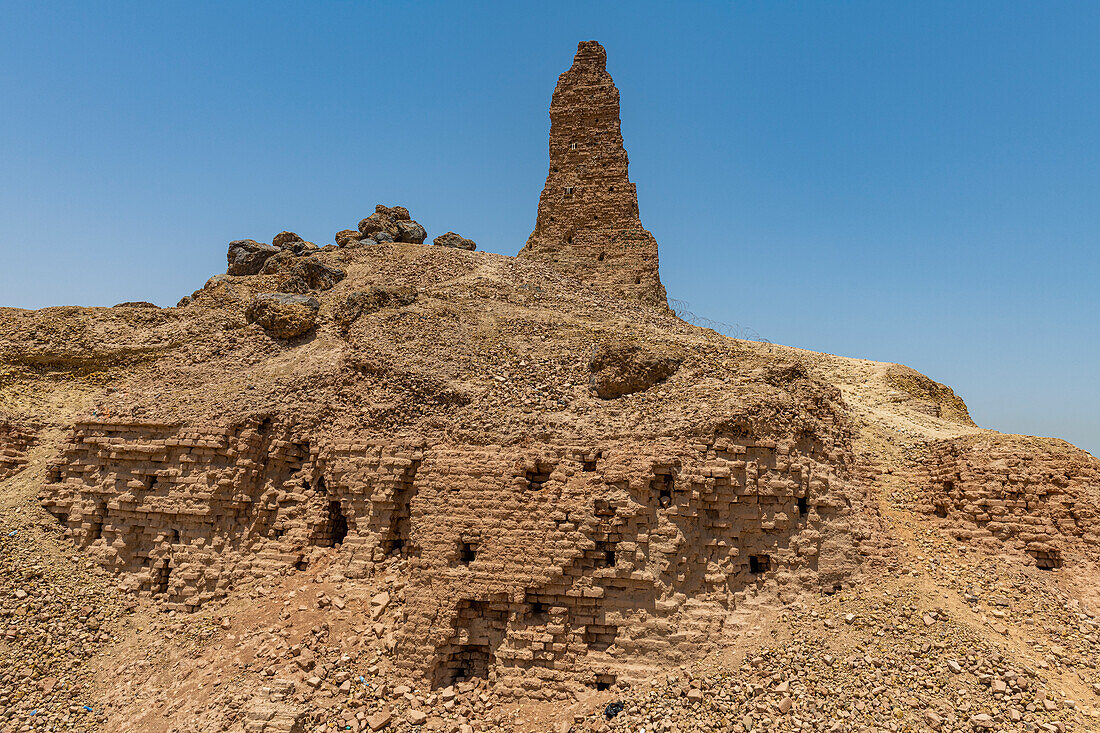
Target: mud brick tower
(588, 225)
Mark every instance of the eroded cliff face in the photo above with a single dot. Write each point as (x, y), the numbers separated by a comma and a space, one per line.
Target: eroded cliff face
(588, 225)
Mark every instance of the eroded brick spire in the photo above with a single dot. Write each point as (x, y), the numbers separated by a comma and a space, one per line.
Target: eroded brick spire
(588, 225)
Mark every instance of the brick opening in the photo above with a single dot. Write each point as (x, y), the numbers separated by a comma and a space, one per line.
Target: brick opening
(333, 528)
(301, 563)
(663, 485)
(467, 552)
(803, 506)
(95, 527)
(759, 564)
(600, 258)
(603, 682)
(599, 637)
(605, 553)
(537, 478)
(466, 662)
(1048, 559)
(53, 475)
(397, 537)
(161, 575)
(151, 481)
(538, 611)
(941, 511)
(588, 466)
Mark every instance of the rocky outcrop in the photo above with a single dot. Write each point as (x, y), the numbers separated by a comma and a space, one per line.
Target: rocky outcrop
(247, 256)
(391, 223)
(622, 369)
(450, 239)
(283, 315)
(588, 225)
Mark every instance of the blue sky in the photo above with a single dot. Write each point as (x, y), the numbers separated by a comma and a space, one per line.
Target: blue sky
(910, 182)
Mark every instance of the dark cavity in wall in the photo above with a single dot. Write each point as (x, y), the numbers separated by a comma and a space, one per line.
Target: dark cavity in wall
(159, 584)
(95, 528)
(537, 478)
(663, 485)
(759, 563)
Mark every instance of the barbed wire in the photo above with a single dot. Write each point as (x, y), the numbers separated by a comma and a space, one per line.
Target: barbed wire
(682, 309)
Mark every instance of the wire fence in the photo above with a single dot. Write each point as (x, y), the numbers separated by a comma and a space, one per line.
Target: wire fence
(682, 309)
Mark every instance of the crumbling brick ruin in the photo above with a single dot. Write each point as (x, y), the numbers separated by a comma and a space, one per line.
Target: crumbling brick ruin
(588, 225)
(544, 569)
(1038, 497)
(14, 443)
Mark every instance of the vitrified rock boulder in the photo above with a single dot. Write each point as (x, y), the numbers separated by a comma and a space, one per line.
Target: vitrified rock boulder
(450, 239)
(283, 315)
(391, 223)
(247, 256)
(410, 232)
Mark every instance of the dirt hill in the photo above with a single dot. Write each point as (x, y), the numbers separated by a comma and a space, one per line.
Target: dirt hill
(387, 485)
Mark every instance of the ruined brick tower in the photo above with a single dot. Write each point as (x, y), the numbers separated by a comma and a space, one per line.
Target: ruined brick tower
(588, 225)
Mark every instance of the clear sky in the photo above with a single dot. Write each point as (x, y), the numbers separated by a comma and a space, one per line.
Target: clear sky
(909, 182)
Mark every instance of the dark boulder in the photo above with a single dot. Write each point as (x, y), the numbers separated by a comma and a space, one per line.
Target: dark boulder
(410, 232)
(624, 368)
(247, 256)
(283, 315)
(450, 239)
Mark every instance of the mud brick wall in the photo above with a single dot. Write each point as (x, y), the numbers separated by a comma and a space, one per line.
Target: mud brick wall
(14, 443)
(546, 568)
(588, 224)
(1042, 499)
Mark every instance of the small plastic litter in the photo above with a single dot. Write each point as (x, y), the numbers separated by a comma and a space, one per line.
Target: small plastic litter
(612, 709)
(87, 708)
(12, 533)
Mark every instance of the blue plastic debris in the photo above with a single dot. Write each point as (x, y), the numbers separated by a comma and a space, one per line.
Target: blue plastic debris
(12, 533)
(87, 708)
